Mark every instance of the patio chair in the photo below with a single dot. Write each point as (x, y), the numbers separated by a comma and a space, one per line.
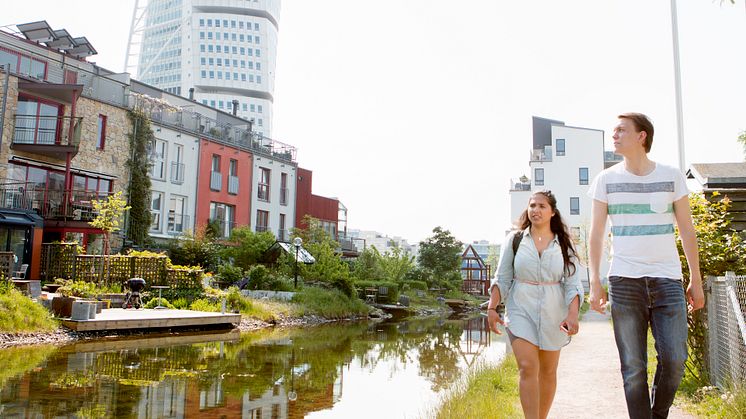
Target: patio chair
(21, 272)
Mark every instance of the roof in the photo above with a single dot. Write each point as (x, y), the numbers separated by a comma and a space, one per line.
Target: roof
(718, 174)
(274, 251)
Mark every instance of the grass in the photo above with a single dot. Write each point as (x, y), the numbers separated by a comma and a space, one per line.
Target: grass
(328, 303)
(486, 392)
(19, 314)
(703, 402)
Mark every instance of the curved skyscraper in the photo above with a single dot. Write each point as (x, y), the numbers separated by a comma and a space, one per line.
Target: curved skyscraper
(224, 49)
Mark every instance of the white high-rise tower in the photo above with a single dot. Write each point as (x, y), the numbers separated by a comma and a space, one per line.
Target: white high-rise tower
(224, 49)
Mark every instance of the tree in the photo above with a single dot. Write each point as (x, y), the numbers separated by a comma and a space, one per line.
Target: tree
(441, 255)
(493, 258)
(138, 194)
(109, 212)
(396, 263)
(721, 249)
(248, 246)
(367, 266)
(195, 249)
(329, 267)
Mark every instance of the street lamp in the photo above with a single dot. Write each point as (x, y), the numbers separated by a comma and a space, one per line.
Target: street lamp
(297, 242)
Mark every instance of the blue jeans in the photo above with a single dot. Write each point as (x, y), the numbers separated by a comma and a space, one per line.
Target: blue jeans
(659, 302)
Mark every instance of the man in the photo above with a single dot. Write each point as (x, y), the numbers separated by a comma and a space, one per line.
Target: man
(643, 199)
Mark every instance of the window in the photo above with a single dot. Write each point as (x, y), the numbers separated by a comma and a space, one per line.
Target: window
(262, 220)
(225, 23)
(216, 178)
(176, 217)
(209, 35)
(215, 163)
(539, 177)
(574, 205)
(23, 64)
(583, 175)
(217, 23)
(209, 23)
(177, 164)
(37, 122)
(210, 48)
(281, 234)
(201, 22)
(219, 62)
(257, 53)
(560, 146)
(259, 122)
(158, 159)
(101, 132)
(222, 218)
(258, 79)
(256, 25)
(243, 106)
(263, 190)
(259, 108)
(252, 107)
(203, 74)
(258, 66)
(201, 35)
(156, 207)
(233, 24)
(283, 189)
(256, 39)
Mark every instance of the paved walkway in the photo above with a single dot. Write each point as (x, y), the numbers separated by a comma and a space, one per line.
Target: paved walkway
(589, 384)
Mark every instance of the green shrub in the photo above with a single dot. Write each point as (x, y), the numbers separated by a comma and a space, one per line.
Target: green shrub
(155, 302)
(230, 274)
(181, 303)
(81, 289)
(414, 285)
(203, 304)
(236, 301)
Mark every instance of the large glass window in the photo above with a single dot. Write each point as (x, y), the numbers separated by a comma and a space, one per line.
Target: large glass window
(176, 214)
(37, 121)
(560, 146)
(156, 207)
(262, 220)
(222, 218)
(158, 159)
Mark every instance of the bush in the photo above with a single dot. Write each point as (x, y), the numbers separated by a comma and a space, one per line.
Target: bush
(181, 303)
(155, 302)
(230, 274)
(237, 302)
(204, 304)
(414, 285)
(81, 289)
(329, 303)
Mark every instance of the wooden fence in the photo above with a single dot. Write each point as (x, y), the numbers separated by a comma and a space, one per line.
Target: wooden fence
(61, 260)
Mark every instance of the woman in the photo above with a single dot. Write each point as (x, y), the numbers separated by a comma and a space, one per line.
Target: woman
(542, 294)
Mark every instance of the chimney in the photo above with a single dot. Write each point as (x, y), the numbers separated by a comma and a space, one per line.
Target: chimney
(235, 106)
(191, 93)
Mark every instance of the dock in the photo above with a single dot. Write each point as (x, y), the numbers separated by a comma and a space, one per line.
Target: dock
(121, 319)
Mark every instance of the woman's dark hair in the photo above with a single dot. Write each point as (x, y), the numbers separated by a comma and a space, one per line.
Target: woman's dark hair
(557, 226)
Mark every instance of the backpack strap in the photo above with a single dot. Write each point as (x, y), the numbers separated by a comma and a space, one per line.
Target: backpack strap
(517, 237)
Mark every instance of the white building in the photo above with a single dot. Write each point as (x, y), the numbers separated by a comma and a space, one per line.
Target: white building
(223, 49)
(382, 242)
(565, 160)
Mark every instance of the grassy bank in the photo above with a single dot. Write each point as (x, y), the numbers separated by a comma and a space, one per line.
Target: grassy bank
(18, 314)
(486, 392)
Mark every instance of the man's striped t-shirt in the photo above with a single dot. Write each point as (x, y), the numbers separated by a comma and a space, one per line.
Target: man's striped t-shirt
(642, 219)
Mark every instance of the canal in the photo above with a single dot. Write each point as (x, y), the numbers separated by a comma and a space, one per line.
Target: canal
(362, 370)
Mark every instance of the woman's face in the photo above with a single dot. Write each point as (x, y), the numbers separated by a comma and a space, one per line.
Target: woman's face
(539, 210)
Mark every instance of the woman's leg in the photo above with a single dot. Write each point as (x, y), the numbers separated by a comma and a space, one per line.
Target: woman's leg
(548, 361)
(527, 357)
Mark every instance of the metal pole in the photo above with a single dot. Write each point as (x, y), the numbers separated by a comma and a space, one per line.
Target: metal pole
(295, 283)
(677, 87)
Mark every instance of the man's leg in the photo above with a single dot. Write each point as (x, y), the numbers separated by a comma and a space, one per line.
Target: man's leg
(670, 328)
(630, 315)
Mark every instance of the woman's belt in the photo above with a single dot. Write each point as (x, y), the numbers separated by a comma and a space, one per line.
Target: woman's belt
(525, 281)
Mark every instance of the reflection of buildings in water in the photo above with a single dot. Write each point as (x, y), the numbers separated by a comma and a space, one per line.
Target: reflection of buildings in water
(474, 339)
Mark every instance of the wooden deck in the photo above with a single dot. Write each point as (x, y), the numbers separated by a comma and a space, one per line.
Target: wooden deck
(120, 319)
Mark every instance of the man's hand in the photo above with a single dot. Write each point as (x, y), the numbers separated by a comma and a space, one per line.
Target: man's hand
(598, 297)
(493, 318)
(695, 296)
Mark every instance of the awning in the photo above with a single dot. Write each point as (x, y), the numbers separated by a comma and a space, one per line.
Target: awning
(20, 219)
(61, 92)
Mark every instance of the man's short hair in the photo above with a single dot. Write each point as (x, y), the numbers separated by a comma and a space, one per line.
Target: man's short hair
(642, 123)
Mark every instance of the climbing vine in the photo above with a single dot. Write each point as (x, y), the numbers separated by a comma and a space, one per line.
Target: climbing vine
(138, 194)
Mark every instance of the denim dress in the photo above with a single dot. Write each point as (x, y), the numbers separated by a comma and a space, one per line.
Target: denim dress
(537, 294)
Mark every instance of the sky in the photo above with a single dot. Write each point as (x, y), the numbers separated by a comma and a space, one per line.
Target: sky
(417, 113)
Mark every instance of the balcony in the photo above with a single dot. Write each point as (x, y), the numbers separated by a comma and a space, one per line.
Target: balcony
(262, 228)
(47, 135)
(74, 205)
(520, 184)
(283, 235)
(283, 196)
(541, 155)
(177, 172)
(233, 185)
(216, 181)
(177, 223)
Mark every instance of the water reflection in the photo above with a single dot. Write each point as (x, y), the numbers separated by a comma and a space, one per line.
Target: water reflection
(364, 369)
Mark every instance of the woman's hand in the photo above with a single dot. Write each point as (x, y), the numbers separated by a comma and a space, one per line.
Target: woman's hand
(570, 324)
(493, 318)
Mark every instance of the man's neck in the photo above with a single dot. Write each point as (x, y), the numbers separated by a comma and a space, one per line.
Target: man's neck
(639, 164)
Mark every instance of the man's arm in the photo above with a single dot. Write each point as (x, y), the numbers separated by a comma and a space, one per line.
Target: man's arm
(599, 213)
(682, 212)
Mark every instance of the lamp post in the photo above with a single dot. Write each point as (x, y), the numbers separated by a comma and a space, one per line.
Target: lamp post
(297, 242)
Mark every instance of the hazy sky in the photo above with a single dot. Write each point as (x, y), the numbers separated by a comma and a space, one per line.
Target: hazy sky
(416, 113)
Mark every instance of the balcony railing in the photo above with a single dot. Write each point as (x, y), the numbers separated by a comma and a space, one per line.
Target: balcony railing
(520, 184)
(216, 181)
(177, 172)
(233, 185)
(539, 154)
(177, 223)
(222, 227)
(283, 235)
(48, 135)
(74, 204)
(261, 228)
(283, 196)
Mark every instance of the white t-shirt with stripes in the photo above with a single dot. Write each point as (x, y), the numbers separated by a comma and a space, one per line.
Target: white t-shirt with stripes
(642, 219)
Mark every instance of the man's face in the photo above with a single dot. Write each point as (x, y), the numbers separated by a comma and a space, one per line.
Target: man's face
(627, 138)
